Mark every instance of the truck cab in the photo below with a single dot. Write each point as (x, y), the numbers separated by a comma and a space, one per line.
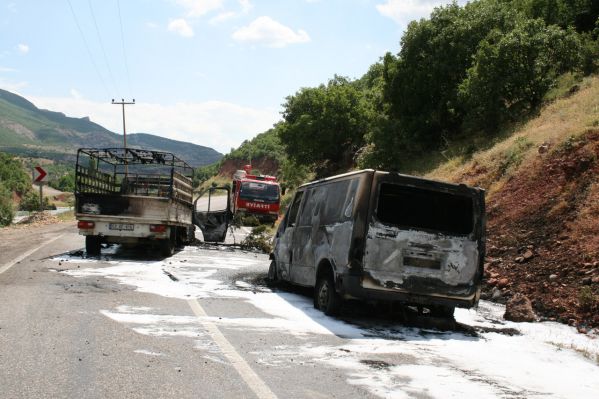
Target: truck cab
(256, 195)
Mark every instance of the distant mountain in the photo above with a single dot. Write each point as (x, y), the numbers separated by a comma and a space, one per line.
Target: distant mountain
(29, 131)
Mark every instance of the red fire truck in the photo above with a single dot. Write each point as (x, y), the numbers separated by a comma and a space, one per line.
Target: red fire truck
(256, 195)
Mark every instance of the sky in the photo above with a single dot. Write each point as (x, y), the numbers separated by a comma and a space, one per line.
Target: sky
(210, 72)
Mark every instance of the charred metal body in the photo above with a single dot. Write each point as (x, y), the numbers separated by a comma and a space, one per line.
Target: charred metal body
(384, 236)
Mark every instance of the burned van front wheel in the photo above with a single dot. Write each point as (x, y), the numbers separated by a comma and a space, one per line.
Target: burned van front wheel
(272, 279)
(325, 296)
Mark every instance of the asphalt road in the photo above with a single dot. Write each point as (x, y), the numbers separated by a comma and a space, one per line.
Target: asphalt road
(202, 324)
(56, 340)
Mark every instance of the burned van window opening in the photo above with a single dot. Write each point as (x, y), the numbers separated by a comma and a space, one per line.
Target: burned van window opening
(252, 191)
(292, 216)
(336, 197)
(418, 208)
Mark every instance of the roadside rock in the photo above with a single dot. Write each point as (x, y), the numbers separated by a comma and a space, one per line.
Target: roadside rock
(503, 282)
(528, 254)
(496, 295)
(519, 309)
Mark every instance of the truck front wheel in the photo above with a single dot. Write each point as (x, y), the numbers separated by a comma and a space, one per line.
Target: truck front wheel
(93, 244)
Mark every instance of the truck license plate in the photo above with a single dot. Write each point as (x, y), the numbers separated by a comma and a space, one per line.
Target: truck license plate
(120, 226)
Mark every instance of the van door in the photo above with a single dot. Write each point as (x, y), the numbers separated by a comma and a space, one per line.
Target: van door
(284, 238)
(212, 213)
(425, 238)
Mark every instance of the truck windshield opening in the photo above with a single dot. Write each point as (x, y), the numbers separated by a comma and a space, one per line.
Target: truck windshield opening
(251, 191)
(423, 209)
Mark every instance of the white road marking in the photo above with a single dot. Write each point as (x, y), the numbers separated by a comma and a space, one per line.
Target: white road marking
(245, 371)
(13, 262)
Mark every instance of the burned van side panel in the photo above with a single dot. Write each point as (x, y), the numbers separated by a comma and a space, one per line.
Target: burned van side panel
(322, 231)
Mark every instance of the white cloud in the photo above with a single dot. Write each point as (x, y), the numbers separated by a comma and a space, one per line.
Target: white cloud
(4, 69)
(404, 11)
(75, 94)
(197, 8)
(12, 86)
(266, 31)
(217, 124)
(246, 6)
(222, 17)
(181, 27)
(151, 25)
(23, 48)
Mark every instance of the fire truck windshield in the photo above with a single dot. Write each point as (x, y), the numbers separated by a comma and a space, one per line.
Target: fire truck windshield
(251, 191)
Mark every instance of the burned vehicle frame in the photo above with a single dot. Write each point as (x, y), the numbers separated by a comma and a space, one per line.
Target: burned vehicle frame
(383, 236)
(133, 196)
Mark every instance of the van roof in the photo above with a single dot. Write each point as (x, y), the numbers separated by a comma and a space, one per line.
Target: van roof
(358, 172)
(355, 172)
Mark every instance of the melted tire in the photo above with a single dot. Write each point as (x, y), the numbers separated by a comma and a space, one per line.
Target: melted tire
(325, 297)
(272, 280)
(444, 312)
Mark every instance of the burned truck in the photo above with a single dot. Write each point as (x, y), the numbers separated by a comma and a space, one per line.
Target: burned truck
(133, 196)
(384, 236)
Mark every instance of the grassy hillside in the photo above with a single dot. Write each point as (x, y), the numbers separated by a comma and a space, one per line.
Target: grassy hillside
(543, 207)
(31, 132)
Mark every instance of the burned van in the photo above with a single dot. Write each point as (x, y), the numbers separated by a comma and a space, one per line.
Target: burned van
(383, 236)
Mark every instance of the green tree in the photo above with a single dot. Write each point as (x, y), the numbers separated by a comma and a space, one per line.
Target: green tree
(513, 71)
(13, 175)
(421, 83)
(580, 14)
(325, 126)
(66, 182)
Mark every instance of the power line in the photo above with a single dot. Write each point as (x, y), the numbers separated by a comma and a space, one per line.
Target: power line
(91, 9)
(123, 46)
(89, 53)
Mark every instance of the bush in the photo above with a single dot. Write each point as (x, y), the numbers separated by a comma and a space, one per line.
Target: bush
(31, 202)
(258, 239)
(7, 211)
(586, 298)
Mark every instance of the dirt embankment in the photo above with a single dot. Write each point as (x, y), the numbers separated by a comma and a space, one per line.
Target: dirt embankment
(543, 233)
(266, 166)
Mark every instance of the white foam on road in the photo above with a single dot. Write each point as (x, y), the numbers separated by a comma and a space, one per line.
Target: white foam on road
(147, 352)
(547, 360)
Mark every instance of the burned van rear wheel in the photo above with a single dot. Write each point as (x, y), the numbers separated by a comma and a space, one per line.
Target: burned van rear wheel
(93, 245)
(442, 311)
(325, 296)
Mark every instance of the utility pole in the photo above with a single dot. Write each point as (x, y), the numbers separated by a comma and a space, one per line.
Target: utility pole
(123, 103)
